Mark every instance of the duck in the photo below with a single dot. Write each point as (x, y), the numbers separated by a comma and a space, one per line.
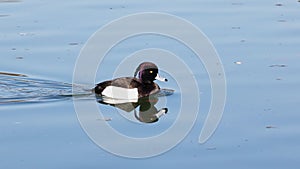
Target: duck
(132, 88)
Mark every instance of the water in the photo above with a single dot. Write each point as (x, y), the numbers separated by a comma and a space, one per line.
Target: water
(259, 128)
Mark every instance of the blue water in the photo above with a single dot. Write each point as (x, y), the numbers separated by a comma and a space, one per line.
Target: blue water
(259, 128)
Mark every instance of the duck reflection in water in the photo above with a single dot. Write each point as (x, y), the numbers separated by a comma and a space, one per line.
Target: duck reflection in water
(146, 113)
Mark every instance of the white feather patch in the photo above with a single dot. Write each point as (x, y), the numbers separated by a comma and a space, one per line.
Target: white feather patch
(121, 93)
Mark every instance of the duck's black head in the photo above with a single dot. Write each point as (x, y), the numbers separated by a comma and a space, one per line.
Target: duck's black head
(148, 72)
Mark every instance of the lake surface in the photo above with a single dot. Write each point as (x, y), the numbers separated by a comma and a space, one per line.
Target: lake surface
(257, 42)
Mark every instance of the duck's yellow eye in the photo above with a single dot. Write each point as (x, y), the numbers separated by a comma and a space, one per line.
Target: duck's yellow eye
(151, 71)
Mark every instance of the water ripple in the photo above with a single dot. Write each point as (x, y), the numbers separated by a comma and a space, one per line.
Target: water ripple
(22, 89)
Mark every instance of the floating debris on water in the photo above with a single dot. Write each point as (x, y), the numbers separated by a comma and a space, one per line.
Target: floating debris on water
(235, 27)
(73, 43)
(237, 3)
(211, 148)
(9, 1)
(270, 127)
(3, 15)
(278, 65)
(105, 119)
(26, 34)
(19, 57)
(17, 122)
(267, 109)
(238, 62)
(281, 20)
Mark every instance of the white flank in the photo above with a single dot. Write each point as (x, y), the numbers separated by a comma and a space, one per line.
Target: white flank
(120, 93)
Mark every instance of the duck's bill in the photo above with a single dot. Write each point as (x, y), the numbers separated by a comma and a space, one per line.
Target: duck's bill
(161, 78)
(161, 112)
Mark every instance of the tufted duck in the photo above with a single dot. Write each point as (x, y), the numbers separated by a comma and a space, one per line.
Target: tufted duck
(132, 88)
